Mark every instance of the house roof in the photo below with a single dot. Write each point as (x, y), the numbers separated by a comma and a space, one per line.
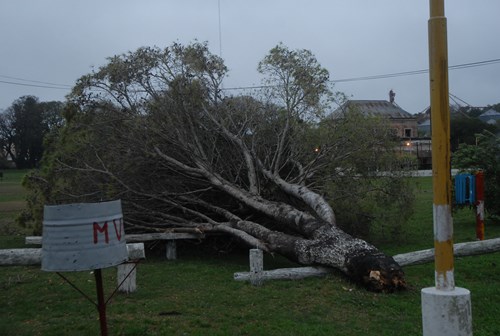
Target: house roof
(490, 113)
(425, 123)
(375, 108)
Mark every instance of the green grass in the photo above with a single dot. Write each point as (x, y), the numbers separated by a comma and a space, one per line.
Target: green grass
(11, 201)
(196, 295)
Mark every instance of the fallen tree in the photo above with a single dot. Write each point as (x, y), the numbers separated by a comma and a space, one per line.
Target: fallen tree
(153, 128)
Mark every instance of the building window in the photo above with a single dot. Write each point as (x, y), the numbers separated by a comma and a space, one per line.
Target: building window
(407, 132)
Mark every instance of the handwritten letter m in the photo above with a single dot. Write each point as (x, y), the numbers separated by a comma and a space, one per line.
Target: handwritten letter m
(99, 229)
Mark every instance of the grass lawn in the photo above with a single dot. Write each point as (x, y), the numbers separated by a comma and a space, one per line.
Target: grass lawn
(11, 201)
(196, 295)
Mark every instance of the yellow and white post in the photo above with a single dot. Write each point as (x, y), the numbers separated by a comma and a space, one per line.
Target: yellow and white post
(446, 309)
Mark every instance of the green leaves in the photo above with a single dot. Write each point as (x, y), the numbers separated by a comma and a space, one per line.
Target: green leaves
(296, 80)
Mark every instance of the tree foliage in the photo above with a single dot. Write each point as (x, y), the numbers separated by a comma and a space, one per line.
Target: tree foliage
(23, 127)
(463, 130)
(153, 128)
(365, 180)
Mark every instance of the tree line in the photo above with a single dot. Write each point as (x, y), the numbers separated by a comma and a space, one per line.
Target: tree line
(23, 127)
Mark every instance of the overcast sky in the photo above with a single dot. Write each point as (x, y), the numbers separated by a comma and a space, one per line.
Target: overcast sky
(57, 41)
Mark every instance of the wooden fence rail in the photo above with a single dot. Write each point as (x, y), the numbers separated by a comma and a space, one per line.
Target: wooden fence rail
(33, 256)
(257, 275)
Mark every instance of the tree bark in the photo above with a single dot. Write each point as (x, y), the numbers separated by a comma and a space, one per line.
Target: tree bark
(291, 273)
(329, 246)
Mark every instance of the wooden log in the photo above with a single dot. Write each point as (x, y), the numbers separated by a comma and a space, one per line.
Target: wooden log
(286, 273)
(126, 272)
(130, 238)
(33, 256)
(33, 240)
(26, 256)
(162, 236)
(460, 250)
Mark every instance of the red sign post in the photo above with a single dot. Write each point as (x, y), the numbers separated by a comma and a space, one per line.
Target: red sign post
(480, 205)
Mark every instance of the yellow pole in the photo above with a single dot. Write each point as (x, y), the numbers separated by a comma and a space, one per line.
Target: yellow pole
(441, 169)
(446, 309)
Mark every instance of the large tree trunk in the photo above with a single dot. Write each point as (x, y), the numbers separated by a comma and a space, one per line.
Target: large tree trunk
(329, 246)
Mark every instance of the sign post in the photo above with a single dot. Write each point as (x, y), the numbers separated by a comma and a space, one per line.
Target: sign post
(480, 205)
(82, 237)
(446, 310)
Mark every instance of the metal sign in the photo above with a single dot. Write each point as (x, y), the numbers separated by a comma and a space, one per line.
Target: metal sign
(83, 236)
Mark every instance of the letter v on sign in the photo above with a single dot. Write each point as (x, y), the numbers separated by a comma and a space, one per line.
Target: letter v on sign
(118, 230)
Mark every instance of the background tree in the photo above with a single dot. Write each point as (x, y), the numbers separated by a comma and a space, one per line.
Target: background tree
(153, 129)
(472, 112)
(463, 130)
(485, 155)
(23, 127)
(365, 180)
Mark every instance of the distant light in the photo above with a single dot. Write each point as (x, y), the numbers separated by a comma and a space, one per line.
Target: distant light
(408, 144)
(316, 150)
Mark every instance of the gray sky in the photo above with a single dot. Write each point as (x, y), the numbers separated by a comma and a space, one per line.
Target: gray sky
(57, 41)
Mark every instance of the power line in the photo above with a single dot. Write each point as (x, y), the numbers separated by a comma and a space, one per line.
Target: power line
(419, 72)
(35, 81)
(353, 79)
(458, 98)
(36, 85)
(389, 75)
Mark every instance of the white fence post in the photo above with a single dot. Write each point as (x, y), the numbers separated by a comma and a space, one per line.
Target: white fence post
(171, 253)
(256, 266)
(128, 284)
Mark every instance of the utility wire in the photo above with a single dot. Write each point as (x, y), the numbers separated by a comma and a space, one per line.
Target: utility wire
(35, 81)
(36, 85)
(390, 75)
(353, 79)
(463, 101)
(418, 72)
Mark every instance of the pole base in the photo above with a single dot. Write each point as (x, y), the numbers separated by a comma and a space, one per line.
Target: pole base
(446, 313)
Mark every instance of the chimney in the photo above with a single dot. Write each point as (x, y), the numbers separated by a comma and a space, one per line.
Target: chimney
(392, 94)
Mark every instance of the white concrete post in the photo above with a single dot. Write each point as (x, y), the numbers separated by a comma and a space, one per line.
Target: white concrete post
(129, 284)
(256, 266)
(171, 250)
(446, 313)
